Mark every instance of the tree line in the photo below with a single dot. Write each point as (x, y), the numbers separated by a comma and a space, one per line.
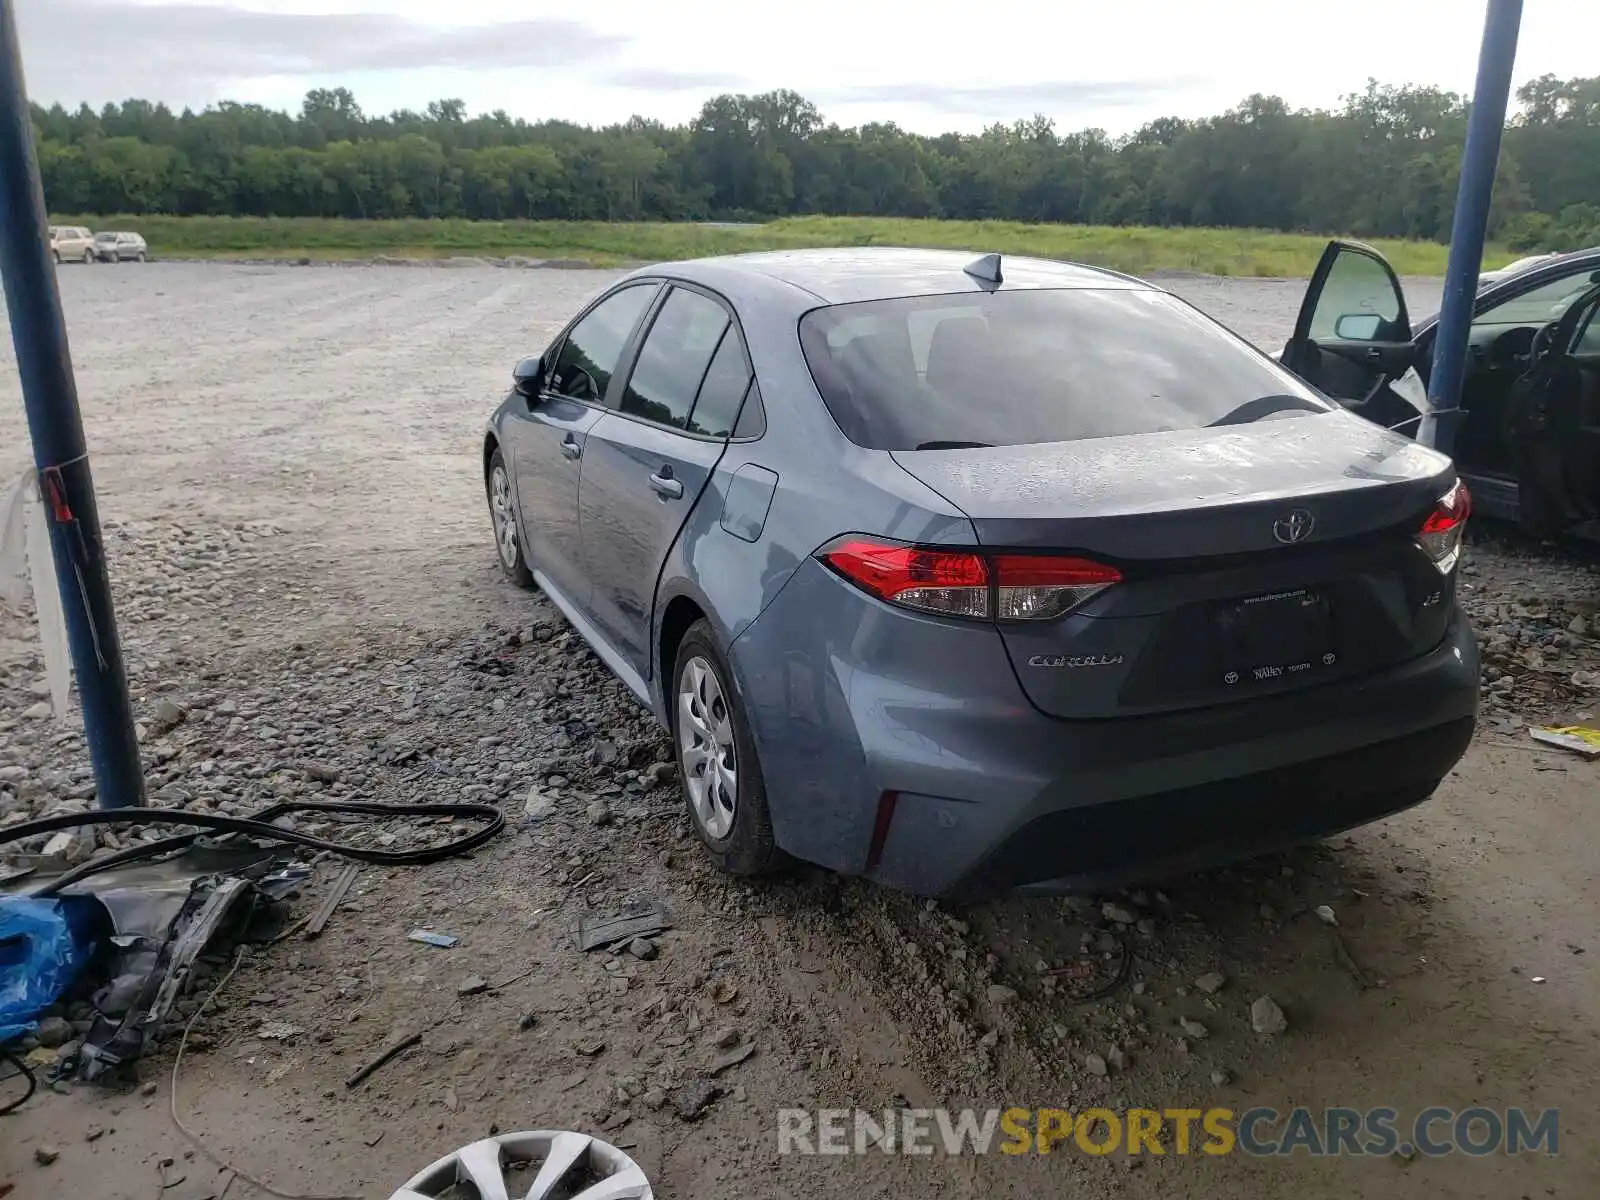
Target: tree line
(1383, 164)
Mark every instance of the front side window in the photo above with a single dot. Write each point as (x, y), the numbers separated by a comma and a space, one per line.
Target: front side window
(589, 356)
(1358, 301)
(1023, 367)
(674, 358)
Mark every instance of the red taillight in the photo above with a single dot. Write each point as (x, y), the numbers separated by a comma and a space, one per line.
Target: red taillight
(955, 583)
(1442, 533)
(961, 583)
(1037, 587)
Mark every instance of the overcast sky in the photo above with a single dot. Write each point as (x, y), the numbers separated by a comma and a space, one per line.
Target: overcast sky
(931, 66)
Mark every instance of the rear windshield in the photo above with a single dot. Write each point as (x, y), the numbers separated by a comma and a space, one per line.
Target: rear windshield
(1015, 368)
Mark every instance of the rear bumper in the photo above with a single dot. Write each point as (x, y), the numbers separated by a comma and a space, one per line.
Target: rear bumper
(990, 795)
(1169, 833)
(1150, 797)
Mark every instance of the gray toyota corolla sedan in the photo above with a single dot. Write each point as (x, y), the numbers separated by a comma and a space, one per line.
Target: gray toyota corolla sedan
(978, 575)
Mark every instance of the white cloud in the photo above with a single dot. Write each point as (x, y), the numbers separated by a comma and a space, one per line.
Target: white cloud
(929, 66)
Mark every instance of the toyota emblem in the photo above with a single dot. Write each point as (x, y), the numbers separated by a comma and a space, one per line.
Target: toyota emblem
(1294, 526)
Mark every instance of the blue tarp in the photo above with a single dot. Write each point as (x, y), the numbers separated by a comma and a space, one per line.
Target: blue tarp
(43, 946)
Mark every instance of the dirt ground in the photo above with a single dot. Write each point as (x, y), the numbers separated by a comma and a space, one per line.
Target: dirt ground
(288, 472)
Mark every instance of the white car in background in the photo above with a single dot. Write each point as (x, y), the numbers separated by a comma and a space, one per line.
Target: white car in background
(72, 243)
(1516, 268)
(120, 247)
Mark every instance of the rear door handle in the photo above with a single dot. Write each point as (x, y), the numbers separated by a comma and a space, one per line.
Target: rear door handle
(570, 448)
(665, 485)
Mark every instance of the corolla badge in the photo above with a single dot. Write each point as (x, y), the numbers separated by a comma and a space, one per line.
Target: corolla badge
(1294, 526)
(1074, 660)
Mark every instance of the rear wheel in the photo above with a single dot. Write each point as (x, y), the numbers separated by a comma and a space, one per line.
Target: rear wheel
(503, 512)
(722, 784)
(116, 257)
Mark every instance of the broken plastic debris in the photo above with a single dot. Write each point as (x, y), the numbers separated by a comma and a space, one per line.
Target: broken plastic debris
(430, 938)
(620, 929)
(1325, 915)
(1580, 739)
(26, 565)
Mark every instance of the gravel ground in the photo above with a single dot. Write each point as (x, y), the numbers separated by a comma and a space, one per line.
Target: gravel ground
(287, 464)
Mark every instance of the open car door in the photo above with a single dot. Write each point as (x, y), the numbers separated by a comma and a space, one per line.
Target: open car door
(1552, 423)
(1352, 339)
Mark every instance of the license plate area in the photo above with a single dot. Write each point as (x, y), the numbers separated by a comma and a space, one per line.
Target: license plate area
(1273, 637)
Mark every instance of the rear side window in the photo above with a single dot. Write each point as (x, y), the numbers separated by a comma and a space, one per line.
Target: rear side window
(1023, 367)
(674, 358)
(592, 350)
(726, 381)
(753, 416)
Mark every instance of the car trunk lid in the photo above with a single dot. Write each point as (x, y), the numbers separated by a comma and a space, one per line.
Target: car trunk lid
(1254, 559)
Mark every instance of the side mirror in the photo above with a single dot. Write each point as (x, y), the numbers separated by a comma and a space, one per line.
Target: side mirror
(1358, 327)
(527, 377)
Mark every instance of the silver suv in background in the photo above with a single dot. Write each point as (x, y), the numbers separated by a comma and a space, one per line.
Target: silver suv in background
(72, 243)
(120, 247)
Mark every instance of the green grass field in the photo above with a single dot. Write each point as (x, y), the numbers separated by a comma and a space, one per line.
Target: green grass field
(1135, 249)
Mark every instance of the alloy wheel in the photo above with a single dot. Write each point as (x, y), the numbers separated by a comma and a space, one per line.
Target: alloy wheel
(706, 745)
(505, 519)
(561, 1164)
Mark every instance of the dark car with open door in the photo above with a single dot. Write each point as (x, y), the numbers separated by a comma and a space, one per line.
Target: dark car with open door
(1527, 433)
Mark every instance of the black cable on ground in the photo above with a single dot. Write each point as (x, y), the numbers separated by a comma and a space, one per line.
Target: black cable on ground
(1124, 969)
(260, 826)
(26, 1072)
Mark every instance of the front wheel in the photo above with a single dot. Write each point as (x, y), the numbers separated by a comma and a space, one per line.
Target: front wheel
(139, 257)
(88, 258)
(722, 783)
(57, 254)
(503, 512)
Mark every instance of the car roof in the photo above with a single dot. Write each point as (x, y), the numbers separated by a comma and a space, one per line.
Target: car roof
(847, 275)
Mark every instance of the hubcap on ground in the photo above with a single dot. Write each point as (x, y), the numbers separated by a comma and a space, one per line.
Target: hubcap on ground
(505, 521)
(705, 742)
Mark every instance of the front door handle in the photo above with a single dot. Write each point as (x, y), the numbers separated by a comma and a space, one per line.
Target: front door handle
(571, 448)
(665, 485)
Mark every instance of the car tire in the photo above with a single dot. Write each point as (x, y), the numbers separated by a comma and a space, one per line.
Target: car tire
(57, 255)
(712, 742)
(503, 513)
(88, 258)
(139, 257)
(116, 257)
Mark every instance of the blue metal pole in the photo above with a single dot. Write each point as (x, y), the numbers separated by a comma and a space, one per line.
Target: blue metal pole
(1471, 221)
(59, 451)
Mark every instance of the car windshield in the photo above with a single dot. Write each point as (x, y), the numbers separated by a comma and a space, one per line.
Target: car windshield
(1015, 368)
(1543, 304)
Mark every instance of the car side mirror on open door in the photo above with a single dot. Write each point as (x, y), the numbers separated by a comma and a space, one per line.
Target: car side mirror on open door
(527, 377)
(1358, 327)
